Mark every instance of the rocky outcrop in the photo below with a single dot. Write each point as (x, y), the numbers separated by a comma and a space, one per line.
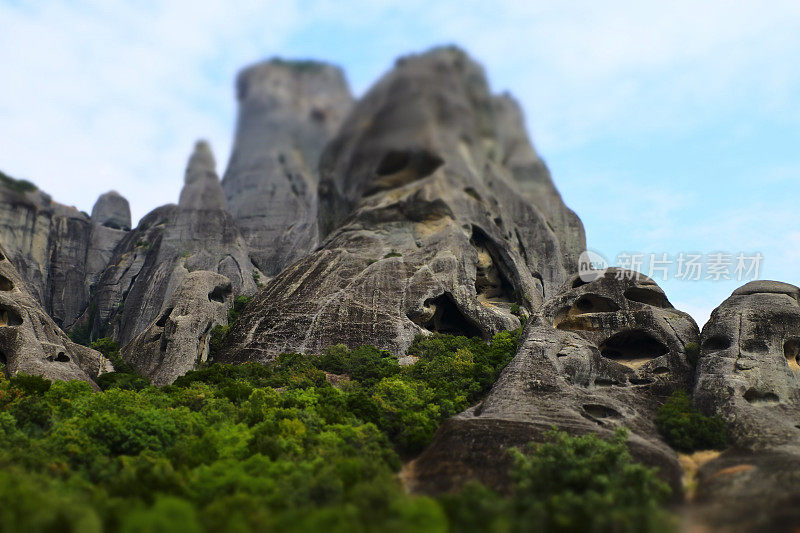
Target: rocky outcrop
(32, 343)
(427, 230)
(533, 178)
(151, 261)
(287, 112)
(749, 374)
(111, 210)
(179, 338)
(48, 243)
(60, 251)
(111, 221)
(598, 356)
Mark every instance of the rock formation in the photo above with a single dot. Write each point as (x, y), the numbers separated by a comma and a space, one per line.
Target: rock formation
(533, 178)
(171, 241)
(179, 338)
(287, 111)
(32, 343)
(427, 230)
(598, 356)
(749, 374)
(111, 221)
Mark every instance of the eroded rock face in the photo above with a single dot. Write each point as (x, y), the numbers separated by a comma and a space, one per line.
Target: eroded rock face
(59, 251)
(628, 317)
(427, 229)
(179, 338)
(749, 375)
(201, 188)
(111, 210)
(287, 112)
(748, 371)
(48, 243)
(171, 241)
(534, 180)
(32, 343)
(582, 367)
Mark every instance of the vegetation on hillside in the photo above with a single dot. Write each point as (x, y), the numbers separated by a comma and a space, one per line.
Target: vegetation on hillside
(18, 186)
(686, 429)
(279, 447)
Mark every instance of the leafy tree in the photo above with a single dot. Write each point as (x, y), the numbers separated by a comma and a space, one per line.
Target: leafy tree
(584, 483)
(686, 429)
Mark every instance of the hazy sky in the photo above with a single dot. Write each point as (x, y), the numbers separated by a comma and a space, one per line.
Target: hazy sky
(669, 126)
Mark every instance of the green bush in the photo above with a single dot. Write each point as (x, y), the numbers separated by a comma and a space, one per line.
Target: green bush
(584, 483)
(686, 430)
(19, 186)
(270, 447)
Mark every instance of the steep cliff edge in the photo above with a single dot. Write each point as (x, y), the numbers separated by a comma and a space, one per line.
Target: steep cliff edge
(287, 112)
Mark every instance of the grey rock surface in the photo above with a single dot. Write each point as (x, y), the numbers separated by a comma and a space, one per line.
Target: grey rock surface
(287, 112)
(598, 356)
(427, 230)
(178, 340)
(201, 188)
(112, 210)
(533, 177)
(749, 374)
(32, 343)
(171, 241)
(48, 242)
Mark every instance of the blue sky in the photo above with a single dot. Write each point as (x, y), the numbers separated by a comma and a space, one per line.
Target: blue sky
(669, 127)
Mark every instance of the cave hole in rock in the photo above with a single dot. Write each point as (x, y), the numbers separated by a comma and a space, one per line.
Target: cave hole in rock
(647, 296)
(661, 370)
(571, 318)
(716, 343)
(632, 348)
(6, 284)
(2, 257)
(318, 115)
(400, 167)
(473, 193)
(791, 349)
(62, 357)
(444, 316)
(3, 358)
(578, 282)
(641, 381)
(594, 303)
(219, 294)
(163, 320)
(760, 397)
(755, 346)
(596, 410)
(9, 317)
(492, 283)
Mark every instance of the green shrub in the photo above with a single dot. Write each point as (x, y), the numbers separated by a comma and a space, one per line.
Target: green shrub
(268, 447)
(686, 430)
(30, 385)
(19, 186)
(584, 483)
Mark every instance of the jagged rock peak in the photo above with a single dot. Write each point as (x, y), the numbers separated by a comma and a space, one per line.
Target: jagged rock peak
(287, 112)
(202, 189)
(425, 228)
(309, 89)
(112, 211)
